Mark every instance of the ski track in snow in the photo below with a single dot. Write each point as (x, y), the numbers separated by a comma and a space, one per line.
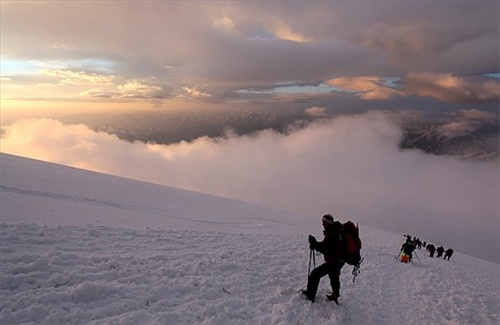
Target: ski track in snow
(104, 275)
(59, 196)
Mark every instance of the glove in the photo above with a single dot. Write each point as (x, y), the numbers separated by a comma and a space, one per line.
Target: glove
(312, 242)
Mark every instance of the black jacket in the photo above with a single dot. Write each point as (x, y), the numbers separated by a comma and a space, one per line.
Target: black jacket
(331, 246)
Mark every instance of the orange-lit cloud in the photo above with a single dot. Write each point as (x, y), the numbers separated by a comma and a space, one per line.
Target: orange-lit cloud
(442, 87)
(317, 111)
(285, 32)
(450, 88)
(368, 88)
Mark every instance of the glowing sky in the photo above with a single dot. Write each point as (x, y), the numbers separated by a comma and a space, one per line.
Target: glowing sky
(78, 55)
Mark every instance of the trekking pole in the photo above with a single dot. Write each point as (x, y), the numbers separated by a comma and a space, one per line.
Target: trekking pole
(399, 254)
(310, 258)
(417, 257)
(313, 258)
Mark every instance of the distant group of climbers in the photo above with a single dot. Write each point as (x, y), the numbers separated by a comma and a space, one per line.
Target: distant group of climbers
(411, 244)
(440, 250)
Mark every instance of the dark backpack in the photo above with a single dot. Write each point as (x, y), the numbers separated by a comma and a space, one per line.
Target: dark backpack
(352, 243)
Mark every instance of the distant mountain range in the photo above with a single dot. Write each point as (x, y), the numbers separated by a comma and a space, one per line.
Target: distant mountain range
(168, 128)
(480, 144)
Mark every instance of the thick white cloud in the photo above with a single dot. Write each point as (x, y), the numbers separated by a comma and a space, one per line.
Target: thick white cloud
(351, 167)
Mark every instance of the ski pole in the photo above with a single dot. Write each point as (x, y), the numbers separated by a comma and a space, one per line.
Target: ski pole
(417, 256)
(399, 254)
(313, 259)
(309, 269)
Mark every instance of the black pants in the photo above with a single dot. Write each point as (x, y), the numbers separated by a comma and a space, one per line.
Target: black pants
(333, 271)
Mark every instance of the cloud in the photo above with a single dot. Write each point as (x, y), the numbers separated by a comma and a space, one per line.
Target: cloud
(194, 92)
(140, 89)
(367, 88)
(350, 166)
(226, 24)
(458, 128)
(284, 32)
(441, 87)
(317, 111)
(450, 88)
(78, 77)
(240, 45)
(409, 41)
(466, 122)
(475, 114)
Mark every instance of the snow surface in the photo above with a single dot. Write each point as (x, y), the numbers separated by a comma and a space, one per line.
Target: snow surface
(84, 248)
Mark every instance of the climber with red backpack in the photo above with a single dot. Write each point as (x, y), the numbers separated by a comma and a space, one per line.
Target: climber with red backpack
(341, 244)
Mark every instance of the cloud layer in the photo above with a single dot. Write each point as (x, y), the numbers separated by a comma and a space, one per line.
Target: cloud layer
(217, 48)
(350, 166)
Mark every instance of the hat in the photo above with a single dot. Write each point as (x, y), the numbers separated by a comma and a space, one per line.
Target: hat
(328, 218)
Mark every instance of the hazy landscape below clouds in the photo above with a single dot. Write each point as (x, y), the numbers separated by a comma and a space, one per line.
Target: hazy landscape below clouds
(463, 134)
(173, 127)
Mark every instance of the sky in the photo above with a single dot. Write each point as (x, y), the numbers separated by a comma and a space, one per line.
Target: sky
(58, 58)
(361, 69)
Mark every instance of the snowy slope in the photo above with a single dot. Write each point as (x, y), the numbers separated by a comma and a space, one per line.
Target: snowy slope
(85, 248)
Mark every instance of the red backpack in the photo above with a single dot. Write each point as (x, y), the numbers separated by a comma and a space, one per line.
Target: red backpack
(352, 244)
